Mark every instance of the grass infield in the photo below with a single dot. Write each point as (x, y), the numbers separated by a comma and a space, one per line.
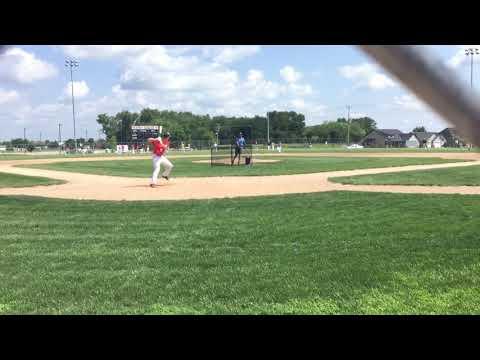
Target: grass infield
(13, 180)
(186, 167)
(469, 176)
(321, 253)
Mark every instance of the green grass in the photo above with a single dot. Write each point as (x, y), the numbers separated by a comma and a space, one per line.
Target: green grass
(459, 176)
(185, 166)
(322, 253)
(57, 156)
(341, 148)
(13, 180)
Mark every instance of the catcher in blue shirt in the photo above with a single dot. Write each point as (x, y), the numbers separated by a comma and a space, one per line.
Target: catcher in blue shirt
(239, 146)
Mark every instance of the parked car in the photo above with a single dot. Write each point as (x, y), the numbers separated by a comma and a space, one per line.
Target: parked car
(355, 146)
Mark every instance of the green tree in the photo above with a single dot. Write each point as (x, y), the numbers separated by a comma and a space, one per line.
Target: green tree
(419, 129)
(124, 122)
(19, 142)
(100, 144)
(110, 125)
(335, 132)
(52, 144)
(112, 143)
(357, 133)
(366, 123)
(188, 127)
(285, 125)
(70, 143)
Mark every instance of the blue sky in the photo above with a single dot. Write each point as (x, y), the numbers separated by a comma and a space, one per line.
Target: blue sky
(318, 81)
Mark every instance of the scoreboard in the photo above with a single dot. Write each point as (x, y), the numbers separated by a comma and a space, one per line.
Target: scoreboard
(141, 133)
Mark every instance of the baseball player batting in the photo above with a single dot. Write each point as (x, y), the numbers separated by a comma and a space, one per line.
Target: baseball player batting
(160, 146)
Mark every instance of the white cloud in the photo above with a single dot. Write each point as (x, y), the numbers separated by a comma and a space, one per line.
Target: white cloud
(300, 90)
(368, 75)
(257, 87)
(80, 89)
(20, 66)
(409, 102)
(298, 103)
(289, 74)
(313, 112)
(356, 115)
(102, 51)
(222, 54)
(8, 96)
(459, 57)
(196, 79)
(228, 54)
(193, 78)
(156, 69)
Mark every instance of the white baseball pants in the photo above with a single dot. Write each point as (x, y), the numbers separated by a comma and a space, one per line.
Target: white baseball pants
(157, 162)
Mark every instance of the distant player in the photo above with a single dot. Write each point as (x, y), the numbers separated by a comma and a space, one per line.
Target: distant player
(160, 146)
(239, 146)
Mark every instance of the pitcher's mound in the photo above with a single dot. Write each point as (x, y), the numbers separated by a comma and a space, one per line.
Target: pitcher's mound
(254, 161)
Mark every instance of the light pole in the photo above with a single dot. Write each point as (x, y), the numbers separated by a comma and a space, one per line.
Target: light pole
(268, 129)
(471, 52)
(60, 138)
(348, 125)
(24, 139)
(72, 64)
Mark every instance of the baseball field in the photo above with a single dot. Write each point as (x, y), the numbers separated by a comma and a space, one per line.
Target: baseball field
(297, 233)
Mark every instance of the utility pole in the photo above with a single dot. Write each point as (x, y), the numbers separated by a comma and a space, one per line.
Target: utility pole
(24, 140)
(348, 125)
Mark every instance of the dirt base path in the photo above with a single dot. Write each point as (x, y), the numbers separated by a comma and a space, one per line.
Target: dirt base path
(99, 187)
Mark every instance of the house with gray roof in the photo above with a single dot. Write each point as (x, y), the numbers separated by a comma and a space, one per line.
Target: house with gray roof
(452, 138)
(384, 138)
(396, 138)
(425, 140)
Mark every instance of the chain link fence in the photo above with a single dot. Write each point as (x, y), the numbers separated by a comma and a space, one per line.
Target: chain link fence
(176, 145)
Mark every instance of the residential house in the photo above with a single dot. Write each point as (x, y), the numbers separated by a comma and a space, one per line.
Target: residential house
(429, 139)
(412, 141)
(384, 138)
(452, 138)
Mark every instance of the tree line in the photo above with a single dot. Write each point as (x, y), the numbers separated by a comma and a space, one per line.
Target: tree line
(284, 126)
(188, 127)
(30, 145)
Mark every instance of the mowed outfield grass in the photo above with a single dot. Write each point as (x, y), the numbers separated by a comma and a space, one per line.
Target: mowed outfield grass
(13, 180)
(186, 167)
(322, 253)
(343, 149)
(469, 176)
